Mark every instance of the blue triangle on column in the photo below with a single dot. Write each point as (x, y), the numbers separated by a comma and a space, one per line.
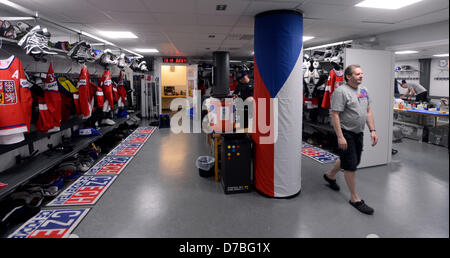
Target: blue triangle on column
(278, 44)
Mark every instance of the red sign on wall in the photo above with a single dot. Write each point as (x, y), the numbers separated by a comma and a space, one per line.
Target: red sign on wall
(175, 60)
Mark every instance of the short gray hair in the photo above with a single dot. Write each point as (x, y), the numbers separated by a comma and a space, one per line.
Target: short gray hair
(349, 70)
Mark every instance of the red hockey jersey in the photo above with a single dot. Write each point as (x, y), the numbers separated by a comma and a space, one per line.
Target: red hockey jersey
(45, 120)
(66, 89)
(106, 84)
(335, 79)
(84, 101)
(115, 92)
(99, 96)
(15, 100)
(122, 92)
(50, 105)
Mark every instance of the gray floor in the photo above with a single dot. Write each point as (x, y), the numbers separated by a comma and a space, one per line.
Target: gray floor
(160, 194)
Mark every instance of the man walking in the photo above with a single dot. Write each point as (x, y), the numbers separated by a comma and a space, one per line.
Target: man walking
(350, 111)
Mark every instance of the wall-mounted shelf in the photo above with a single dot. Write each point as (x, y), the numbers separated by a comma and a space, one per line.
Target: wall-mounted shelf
(408, 78)
(13, 41)
(21, 174)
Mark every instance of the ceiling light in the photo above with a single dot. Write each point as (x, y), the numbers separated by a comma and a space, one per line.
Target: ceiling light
(118, 34)
(221, 7)
(147, 50)
(441, 55)
(330, 45)
(386, 4)
(18, 7)
(17, 18)
(306, 38)
(405, 52)
(97, 38)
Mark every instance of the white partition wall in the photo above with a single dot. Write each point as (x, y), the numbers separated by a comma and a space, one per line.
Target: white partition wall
(378, 69)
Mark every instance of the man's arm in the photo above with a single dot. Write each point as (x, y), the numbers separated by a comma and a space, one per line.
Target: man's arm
(335, 120)
(237, 90)
(371, 124)
(406, 94)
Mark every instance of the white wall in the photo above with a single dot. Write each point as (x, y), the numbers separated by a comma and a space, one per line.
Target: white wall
(378, 69)
(419, 36)
(439, 88)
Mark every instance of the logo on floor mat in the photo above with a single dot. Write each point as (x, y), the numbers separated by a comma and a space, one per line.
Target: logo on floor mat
(126, 149)
(109, 165)
(146, 130)
(137, 138)
(87, 190)
(318, 154)
(51, 224)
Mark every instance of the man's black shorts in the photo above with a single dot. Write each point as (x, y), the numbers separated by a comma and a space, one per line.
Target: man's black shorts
(351, 157)
(422, 96)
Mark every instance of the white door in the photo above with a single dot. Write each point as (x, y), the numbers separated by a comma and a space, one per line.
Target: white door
(378, 69)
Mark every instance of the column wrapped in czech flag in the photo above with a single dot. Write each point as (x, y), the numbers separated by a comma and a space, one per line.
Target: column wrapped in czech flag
(278, 84)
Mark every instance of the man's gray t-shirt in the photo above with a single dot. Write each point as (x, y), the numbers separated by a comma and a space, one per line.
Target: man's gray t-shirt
(417, 87)
(352, 105)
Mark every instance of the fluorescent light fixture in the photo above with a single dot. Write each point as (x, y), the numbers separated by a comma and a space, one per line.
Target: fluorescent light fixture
(386, 4)
(134, 53)
(147, 50)
(330, 45)
(235, 61)
(118, 34)
(17, 7)
(306, 38)
(441, 55)
(17, 18)
(97, 44)
(97, 38)
(406, 52)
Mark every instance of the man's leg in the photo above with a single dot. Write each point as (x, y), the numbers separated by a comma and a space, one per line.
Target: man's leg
(330, 176)
(349, 175)
(350, 180)
(334, 170)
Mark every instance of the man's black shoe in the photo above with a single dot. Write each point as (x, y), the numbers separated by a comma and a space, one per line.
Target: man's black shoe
(332, 183)
(362, 207)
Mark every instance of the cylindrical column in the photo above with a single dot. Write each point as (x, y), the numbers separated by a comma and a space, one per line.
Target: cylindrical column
(221, 74)
(278, 96)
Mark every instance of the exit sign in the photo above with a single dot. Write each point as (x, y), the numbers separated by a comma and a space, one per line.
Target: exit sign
(175, 60)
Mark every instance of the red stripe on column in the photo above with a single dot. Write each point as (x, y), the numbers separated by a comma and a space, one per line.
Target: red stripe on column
(264, 153)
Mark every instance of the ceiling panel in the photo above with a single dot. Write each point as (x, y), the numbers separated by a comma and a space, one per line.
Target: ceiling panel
(116, 5)
(322, 11)
(130, 17)
(334, 2)
(217, 20)
(261, 6)
(196, 29)
(171, 6)
(246, 21)
(242, 30)
(175, 19)
(234, 7)
(184, 25)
